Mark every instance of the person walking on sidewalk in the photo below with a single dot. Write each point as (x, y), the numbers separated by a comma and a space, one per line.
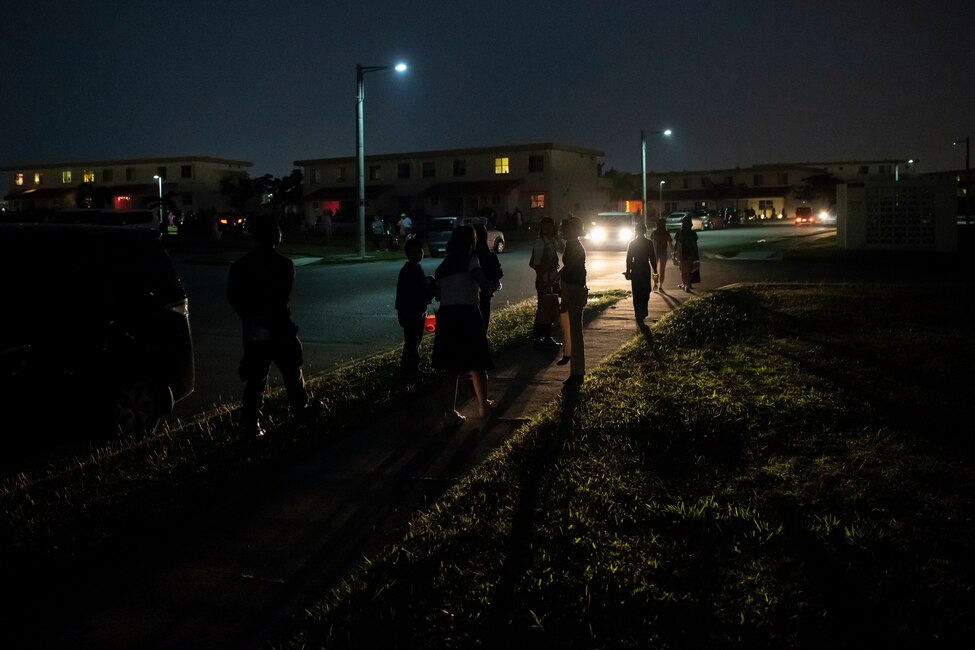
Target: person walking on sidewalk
(663, 247)
(460, 343)
(575, 293)
(259, 290)
(686, 254)
(545, 261)
(414, 291)
(640, 262)
(492, 270)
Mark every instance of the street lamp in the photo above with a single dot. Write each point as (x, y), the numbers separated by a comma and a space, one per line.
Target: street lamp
(968, 177)
(360, 72)
(660, 206)
(897, 169)
(162, 227)
(643, 150)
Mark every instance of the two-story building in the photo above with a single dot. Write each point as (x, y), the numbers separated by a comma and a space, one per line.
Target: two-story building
(190, 183)
(536, 180)
(769, 189)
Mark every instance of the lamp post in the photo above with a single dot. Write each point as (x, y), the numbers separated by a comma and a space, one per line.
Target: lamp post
(643, 153)
(968, 177)
(897, 169)
(660, 206)
(360, 72)
(162, 227)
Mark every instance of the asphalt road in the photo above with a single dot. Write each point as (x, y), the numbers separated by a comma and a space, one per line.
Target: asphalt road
(345, 311)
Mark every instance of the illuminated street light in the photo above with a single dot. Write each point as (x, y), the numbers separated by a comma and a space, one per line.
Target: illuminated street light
(897, 168)
(660, 207)
(162, 226)
(360, 71)
(643, 150)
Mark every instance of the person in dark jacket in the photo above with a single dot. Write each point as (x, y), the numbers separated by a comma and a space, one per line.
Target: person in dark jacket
(491, 266)
(414, 291)
(641, 260)
(575, 293)
(259, 290)
(686, 254)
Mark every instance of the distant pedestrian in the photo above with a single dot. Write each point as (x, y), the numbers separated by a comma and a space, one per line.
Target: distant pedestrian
(575, 293)
(378, 233)
(328, 224)
(259, 290)
(414, 291)
(640, 263)
(663, 247)
(405, 226)
(545, 261)
(686, 254)
(491, 265)
(460, 343)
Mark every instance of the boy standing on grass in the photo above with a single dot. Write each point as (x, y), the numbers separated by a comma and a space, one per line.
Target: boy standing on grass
(413, 294)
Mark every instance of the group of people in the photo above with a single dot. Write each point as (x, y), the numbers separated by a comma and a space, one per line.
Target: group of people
(647, 257)
(260, 284)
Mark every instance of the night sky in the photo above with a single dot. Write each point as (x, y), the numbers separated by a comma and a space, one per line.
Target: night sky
(741, 83)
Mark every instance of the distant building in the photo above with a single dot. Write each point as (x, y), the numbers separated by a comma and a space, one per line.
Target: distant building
(536, 180)
(770, 189)
(190, 183)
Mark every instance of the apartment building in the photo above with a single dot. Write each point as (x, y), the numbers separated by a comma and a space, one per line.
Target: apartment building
(769, 189)
(191, 183)
(537, 180)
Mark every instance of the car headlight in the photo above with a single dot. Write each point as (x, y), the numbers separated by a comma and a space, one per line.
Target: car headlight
(598, 234)
(624, 234)
(823, 216)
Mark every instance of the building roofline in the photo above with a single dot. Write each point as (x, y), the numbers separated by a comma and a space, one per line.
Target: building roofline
(451, 152)
(126, 161)
(774, 166)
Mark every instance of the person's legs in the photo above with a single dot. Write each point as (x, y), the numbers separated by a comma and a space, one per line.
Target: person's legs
(289, 359)
(641, 298)
(451, 416)
(412, 335)
(661, 270)
(479, 380)
(685, 273)
(253, 370)
(575, 297)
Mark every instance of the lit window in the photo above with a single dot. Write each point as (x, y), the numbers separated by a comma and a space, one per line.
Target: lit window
(537, 201)
(89, 176)
(18, 179)
(38, 179)
(66, 176)
(501, 166)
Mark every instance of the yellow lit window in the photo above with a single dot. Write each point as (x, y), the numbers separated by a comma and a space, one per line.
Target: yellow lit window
(38, 179)
(501, 166)
(66, 176)
(537, 201)
(18, 179)
(89, 176)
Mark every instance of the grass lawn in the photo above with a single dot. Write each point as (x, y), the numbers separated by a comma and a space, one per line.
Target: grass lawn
(768, 467)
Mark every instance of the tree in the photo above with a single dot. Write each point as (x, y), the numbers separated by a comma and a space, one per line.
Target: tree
(623, 185)
(818, 188)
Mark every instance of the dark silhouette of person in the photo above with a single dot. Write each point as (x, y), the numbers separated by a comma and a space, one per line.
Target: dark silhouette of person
(575, 293)
(491, 266)
(414, 291)
(641, 260)
(259, 290)
(686, 254)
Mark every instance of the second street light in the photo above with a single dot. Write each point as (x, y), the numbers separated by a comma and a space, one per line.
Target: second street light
(968, 177)
(643, 152)
(360, 71)
(660, 206)
(162, 221)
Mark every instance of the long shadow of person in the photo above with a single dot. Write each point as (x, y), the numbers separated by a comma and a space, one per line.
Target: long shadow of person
(536, 483)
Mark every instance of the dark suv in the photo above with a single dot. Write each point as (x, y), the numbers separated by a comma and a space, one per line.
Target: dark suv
(95, 336)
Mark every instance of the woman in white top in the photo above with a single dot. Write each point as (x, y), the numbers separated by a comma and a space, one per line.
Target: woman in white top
(460, 344)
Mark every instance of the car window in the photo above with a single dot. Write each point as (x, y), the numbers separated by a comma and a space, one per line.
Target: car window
(441, 225)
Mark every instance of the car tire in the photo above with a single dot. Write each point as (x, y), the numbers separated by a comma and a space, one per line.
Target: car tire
(499, 245)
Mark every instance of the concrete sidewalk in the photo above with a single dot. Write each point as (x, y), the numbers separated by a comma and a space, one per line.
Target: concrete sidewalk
(229, 579)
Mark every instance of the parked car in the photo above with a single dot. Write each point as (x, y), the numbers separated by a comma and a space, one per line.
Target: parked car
(438, 231)
(95, 337)
(804, 216)
(699, 221)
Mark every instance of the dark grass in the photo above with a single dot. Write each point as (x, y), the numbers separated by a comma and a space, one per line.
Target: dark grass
(769, 467)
